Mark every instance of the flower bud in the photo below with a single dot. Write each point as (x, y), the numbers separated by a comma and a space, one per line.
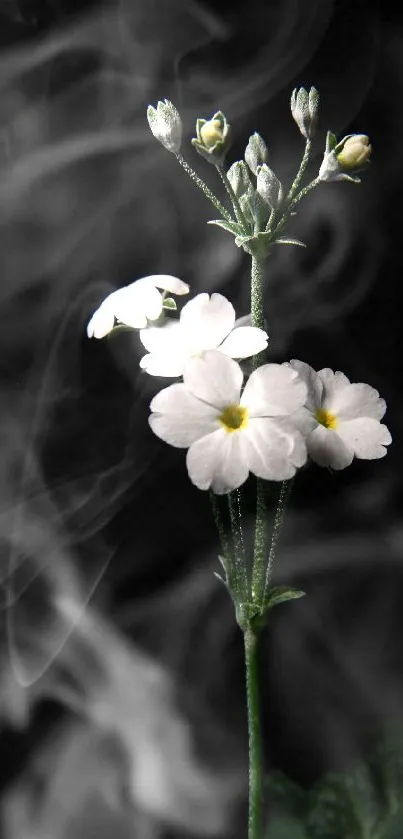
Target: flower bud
(213, 138)
(166, 125)
(343, 160)
(305, 110)
(269, 186)
(355, 153)
(238, 176)
(256, 152)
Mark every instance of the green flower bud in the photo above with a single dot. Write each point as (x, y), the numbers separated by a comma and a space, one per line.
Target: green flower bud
(269, 186)
(256, 152)
(305, 110)
(239, 178)
(343, 160)
(166, 125)
(213, 138)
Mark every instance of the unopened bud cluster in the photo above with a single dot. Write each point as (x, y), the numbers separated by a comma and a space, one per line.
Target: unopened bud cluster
(261, 205)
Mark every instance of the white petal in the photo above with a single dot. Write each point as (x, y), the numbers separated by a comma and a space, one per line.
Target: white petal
(244, 341)
(304, 420)
(102, 321)
(332, 384)
(179, 418)
(272, 450)
(167, 282)
(299, 452)
(356, 400)
(137, 302)
(218, 461)
(245, 320)
(158, 364)
(366, 436)
(168, 354)
(274, 390)
(326, 448)
(162, 338)
(214, 378)
(207, 320)
(313, 382)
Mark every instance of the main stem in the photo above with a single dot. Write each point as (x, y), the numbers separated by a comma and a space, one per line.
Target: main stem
(250, 634)
(260, 544)
(255, 748)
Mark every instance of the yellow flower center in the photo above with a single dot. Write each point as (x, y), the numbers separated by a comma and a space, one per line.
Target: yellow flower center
(326, 418)
(211, 132)
(234, 417)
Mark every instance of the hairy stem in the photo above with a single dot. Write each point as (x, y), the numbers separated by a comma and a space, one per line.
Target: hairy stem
(235, 512)
(301, 171)
(285, 490)
(284, 219)
(254, 732)
(204, 188)
(219, 523)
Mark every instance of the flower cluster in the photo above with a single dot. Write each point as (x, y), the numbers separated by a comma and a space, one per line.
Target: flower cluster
(284, 415)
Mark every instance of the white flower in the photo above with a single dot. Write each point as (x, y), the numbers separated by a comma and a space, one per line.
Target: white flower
(230, 435)
(341, 420)
(134, 304)
(206, 323)
(166, 125)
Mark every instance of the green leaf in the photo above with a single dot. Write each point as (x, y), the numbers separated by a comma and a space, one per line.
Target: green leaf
(332, 813)
(280, 594)
(285, 241)
(284, 795)
(231, 226)
(169, 303)
(286, 805)
(331, 141)
(284, 827)
(393, 826)
(345, 807)
(257, 245)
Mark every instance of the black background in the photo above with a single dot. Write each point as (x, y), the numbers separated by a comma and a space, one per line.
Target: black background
(83, 211)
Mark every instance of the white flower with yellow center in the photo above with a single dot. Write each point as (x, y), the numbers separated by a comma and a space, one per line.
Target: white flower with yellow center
(228, 434)
(340, 420)
(205, 323)
(134, 305)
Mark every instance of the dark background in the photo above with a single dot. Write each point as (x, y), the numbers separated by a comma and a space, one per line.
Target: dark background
(94, 507)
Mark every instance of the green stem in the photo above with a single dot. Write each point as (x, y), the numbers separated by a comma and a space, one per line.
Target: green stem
(234, 507)
(254, 731)
(260, 542)
(241, 218)
(225, 545)
(257, 293)
(301, 171)
(285, 490)
(204, 188)
(283, 221)
(304, 192)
